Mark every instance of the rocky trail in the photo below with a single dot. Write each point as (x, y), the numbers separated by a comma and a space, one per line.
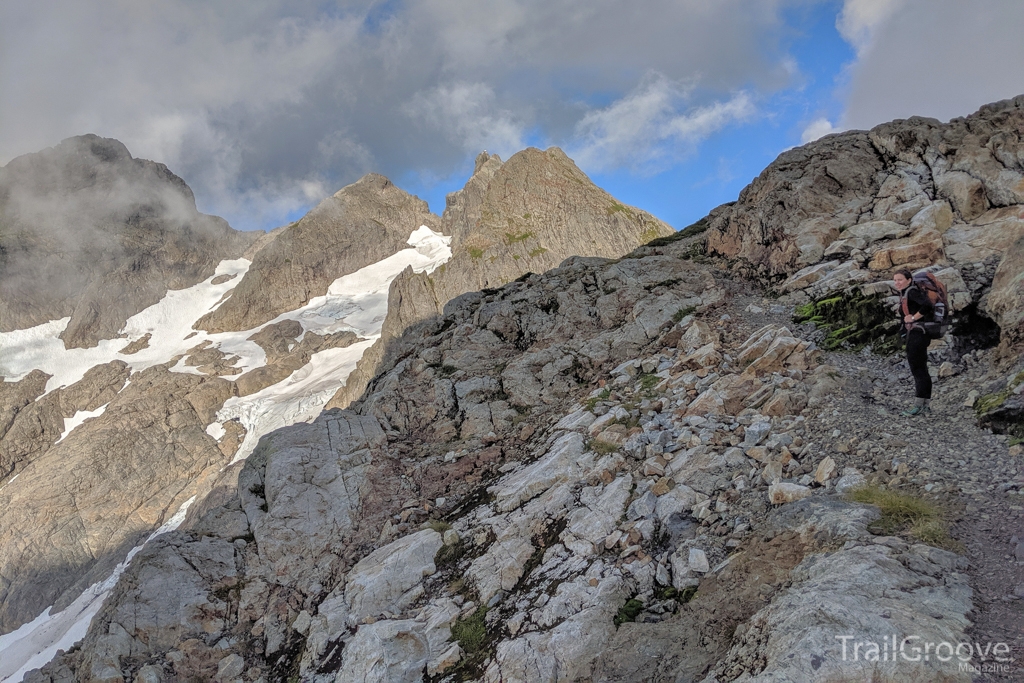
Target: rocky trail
(969, 471)
(973, 475)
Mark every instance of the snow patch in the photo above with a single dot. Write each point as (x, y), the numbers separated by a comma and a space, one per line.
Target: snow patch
(356, 302)
(216, 430)
(300, 398)
(78, 418)
(169, 321)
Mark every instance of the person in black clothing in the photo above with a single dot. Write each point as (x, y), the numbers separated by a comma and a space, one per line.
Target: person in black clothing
(915, 309)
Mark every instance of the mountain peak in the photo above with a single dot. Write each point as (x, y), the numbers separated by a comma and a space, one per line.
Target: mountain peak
(89, 232)
(360, 224)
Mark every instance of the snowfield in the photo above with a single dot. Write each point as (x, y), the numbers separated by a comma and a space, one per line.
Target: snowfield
(356, 302)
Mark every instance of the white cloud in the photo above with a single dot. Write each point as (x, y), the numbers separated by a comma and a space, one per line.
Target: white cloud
(240, 97)
(816, 129)
(937, 58)
(467, 113)
(859, 19)
(652, 126)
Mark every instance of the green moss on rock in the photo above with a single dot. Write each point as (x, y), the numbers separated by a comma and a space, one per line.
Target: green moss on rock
(628, 612)
(852, 320)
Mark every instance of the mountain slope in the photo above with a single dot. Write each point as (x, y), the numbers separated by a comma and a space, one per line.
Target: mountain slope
(154, 422)
(90, 233)
(361, 224)
(620, 469)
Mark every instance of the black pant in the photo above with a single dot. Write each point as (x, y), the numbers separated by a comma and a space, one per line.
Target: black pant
(917, 357)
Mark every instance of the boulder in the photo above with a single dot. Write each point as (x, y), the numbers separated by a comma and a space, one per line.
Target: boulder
(385, 652)
(965, 193)
(773, 349)
(380, 579)
(783, 492)
(1005, 302)
(825, 470)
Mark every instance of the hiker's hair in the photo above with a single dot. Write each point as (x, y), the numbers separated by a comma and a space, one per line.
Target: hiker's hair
(904, 272)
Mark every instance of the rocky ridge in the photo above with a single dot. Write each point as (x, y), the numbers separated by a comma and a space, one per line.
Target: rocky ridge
(361, 224)
(525, 215)
(851, 207)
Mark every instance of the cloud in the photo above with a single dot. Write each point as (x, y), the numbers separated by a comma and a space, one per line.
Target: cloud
(467, 114)
(859, 19)
(816, 129)
(937, 58)
(652, 126)
(252, 101)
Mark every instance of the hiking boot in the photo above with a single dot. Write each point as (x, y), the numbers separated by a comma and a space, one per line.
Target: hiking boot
(916, 410)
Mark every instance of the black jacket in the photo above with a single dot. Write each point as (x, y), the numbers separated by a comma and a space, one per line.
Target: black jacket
(917, 302)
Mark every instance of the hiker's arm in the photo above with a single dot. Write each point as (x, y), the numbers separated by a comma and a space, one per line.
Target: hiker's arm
(919, 304)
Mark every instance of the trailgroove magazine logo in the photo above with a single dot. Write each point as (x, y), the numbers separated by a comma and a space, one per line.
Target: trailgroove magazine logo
(969, 657)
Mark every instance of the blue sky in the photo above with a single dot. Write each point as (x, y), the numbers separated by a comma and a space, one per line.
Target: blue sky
(267, 107)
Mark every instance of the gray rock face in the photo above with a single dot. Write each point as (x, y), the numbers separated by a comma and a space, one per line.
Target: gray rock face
(122, 474)
(807, 199)
(89, 232)
(315, 473)
(798, 206)
(361, 224)
(1006, 299)
(874, 591)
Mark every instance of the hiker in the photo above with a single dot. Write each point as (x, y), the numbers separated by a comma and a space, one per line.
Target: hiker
(915, 310)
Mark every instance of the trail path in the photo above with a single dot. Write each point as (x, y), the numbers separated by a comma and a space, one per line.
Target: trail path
(943, 456)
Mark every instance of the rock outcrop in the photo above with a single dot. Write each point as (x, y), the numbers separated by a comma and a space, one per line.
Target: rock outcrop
(121, 473)
(90, 233)
(850, 208)
(38, 424)
(909, 181)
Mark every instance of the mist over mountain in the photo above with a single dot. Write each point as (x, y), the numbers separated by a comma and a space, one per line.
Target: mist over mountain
(91, 233)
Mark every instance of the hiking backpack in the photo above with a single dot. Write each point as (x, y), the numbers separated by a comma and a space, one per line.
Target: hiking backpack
(936, 291)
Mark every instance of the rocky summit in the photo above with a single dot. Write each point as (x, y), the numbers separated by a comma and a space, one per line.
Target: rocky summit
(549, 440)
